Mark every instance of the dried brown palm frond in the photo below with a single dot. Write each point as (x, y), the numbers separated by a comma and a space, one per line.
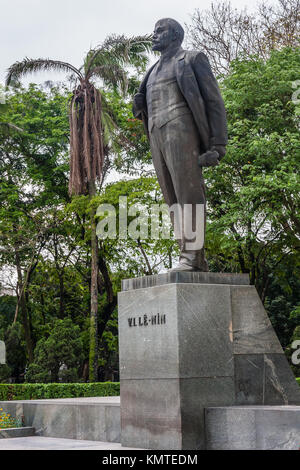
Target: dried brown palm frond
(87, 147)
(86, 138)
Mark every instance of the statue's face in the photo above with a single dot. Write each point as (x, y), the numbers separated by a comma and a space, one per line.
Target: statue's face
(163, 36)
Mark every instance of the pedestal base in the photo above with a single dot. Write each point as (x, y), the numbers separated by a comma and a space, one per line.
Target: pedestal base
(253, 428)
(192, 341)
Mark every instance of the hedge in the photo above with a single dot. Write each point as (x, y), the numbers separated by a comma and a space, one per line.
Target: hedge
(30, 391)
(54, 390)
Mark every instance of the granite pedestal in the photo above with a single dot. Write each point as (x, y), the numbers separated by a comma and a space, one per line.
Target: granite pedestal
(253, 428)
(189, 341)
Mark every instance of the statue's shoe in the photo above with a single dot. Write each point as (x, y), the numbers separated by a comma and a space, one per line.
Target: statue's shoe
(184, 267)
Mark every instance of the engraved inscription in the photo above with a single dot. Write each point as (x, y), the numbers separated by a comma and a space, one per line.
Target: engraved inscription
(146, 320)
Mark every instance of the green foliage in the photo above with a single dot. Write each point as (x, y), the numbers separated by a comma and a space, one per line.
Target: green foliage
(15, 349)
(143, 255)
(7, 311)
(253, 195)
(57, 390)
(11, 334)
(5, 373)
(129, 145)
(252, 223)
(255, 190)
(62, 348)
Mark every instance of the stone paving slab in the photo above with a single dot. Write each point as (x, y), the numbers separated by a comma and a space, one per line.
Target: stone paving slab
(51, 443)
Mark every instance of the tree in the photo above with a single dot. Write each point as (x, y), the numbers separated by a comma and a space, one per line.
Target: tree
(253, 195)
(225, 33)
(87, 134)
(15, 351)
(6, 127)
(32, 181)
(57, 356)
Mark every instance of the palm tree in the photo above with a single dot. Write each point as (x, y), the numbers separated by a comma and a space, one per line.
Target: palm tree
(108, 63)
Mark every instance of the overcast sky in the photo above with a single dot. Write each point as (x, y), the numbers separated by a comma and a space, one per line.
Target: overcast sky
(66, 29)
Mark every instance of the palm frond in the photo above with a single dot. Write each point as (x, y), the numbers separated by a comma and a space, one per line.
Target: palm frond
(112, 75)
(113, 134)
(109, 128)
(86, 138)
(128, 49)
(121, 50)
(19, 69)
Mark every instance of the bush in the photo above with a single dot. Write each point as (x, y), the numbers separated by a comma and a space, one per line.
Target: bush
(5, 373)
(58, 390)
(15, 353)
(63, 347)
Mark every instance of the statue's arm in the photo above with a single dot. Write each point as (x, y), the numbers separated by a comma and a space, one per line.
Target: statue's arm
(213, 100)
(139, 105)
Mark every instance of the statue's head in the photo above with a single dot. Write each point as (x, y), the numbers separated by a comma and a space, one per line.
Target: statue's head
(166, 32)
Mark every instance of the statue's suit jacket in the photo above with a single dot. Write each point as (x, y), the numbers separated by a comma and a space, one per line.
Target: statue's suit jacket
(201, 91)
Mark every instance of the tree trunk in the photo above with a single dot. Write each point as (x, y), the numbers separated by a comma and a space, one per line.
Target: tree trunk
(61, 295)
(24, 311)
(60, 273)
(93, 355)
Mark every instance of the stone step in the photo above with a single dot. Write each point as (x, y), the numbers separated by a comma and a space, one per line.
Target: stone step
(17, 432)
(91, 418)
(98, 419)
(253, 428)
(53, 443)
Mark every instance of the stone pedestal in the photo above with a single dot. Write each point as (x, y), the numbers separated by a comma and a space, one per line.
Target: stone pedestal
(253, 428)
(189, 341)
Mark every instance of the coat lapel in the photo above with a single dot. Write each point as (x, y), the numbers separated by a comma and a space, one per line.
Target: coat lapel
(142, 88)
(180, 54)
(179, 68)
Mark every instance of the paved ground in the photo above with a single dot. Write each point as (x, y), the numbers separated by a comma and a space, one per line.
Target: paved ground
(53, 443)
